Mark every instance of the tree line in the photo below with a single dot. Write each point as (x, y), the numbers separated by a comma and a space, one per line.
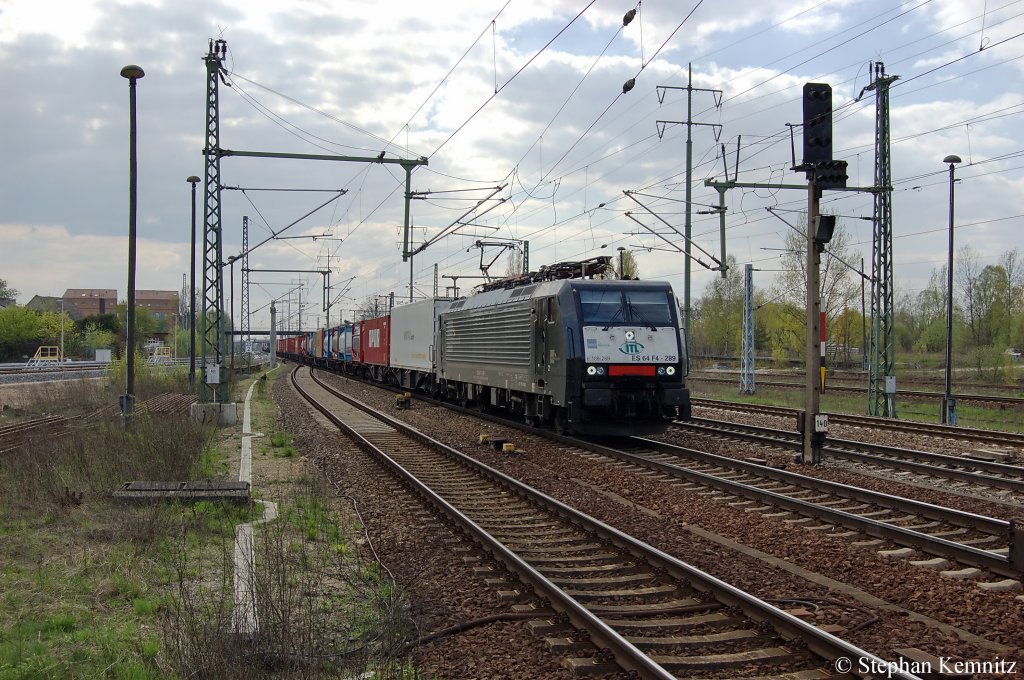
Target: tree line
(988, 307)
(23, 330)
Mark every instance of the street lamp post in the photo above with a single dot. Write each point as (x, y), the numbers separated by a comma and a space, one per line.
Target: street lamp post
(193, 180)
(948, 416)
(132, 73)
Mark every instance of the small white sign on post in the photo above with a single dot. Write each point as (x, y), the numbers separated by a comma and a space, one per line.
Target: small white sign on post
(212, 374)
(821, 422)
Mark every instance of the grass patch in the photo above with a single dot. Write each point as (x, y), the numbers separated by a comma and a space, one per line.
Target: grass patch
(281, 445)
(968, 414)
(89, 588)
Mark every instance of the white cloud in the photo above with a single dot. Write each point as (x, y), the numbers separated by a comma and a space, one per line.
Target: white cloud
(371, 66)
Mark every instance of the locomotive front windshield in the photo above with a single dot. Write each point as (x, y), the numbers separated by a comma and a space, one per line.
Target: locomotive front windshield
(604, 307)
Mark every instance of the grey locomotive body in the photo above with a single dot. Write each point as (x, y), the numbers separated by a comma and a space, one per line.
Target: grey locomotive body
(592, 356)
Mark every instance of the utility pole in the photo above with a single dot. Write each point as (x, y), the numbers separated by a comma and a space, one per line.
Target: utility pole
(687, 228)
(213, 387)
(747, 385)
(328, 303)
(273, 335)
(882, 366)
(245, 321)
(231, 318)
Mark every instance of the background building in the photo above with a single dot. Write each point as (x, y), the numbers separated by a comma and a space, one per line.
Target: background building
(163, 305)
(45, 303)
(89, 301)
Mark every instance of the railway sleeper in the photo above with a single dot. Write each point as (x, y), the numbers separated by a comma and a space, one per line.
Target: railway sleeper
(711, 662)
(622, 580)
(645, 592)
(710, 621)
(549, 572)
(679, 642)
(570, 559)
(646, 608)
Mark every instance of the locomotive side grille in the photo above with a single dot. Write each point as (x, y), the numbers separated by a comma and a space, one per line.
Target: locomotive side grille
(499, 335)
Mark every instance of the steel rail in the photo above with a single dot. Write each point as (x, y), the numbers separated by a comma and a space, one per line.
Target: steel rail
(931, 429)
(965, 471)
(932, 545)
(627, 655)
(849, 388)
(989, 525)
(826, 645)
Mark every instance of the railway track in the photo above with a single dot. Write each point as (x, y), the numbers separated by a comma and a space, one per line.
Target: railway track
(936, 465)
(929, 429)
(839, 377)
(952, 535)
(13, 436)
(58, 369)
(604, 597)
(917, 394)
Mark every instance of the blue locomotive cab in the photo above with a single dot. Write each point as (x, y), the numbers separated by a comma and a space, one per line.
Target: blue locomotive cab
(625, 356)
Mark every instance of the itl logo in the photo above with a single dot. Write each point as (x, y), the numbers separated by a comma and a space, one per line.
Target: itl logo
(631, 347)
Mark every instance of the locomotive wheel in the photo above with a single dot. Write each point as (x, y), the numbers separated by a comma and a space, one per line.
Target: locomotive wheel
(558, 421)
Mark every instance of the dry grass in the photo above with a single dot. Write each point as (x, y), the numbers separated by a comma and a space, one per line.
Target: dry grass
(322, 610)
(89, 588)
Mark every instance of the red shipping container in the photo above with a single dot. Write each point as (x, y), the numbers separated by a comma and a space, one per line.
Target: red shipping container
(375, 341)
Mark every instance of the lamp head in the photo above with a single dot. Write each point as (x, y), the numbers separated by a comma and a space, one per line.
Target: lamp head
(952, 159)
(192, 180)
(132, 72)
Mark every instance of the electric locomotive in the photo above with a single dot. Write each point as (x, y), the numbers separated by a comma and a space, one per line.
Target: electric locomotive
(595, 357)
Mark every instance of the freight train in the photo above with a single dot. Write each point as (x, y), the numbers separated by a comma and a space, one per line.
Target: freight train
(594, 357)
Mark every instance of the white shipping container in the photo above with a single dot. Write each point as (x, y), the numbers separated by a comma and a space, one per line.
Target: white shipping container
(412, 333)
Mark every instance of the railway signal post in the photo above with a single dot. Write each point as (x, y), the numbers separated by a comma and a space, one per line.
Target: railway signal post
(822, 173)
(815, 426)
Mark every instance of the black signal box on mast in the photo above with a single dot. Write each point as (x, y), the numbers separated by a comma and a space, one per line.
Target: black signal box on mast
(830, 174)
(817, 123)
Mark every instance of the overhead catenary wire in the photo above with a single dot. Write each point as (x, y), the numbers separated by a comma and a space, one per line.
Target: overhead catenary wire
(513, 77)
(561, 194)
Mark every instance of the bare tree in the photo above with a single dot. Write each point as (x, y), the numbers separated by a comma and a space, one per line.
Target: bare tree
(374, 306)
(1014, 268)
(515, 264)
(630, 267)
(184, 306)
(839, 290)
(968, 270)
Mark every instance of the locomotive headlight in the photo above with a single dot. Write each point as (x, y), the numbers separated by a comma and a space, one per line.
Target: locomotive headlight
(600, 370)
(671, 370)
(630, 335)
(661, 370)
(591, 370)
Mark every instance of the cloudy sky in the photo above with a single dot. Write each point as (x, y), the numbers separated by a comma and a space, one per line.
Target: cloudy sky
(518, 94)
